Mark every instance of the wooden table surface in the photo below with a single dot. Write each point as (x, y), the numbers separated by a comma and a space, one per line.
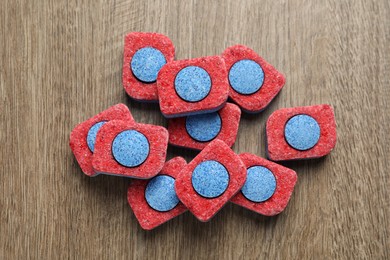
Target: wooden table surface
(61, 61)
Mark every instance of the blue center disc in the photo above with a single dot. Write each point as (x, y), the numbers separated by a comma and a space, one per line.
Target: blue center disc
(130, 148)
(260, 184)
(146, 63)
(192, 83)
(246, 77)
(204, 127)
(160, 193)
(91, 136)
(302, 132)
(210, 179)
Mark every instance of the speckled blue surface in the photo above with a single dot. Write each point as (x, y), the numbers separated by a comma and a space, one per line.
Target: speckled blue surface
(146, 63)
(204, 127)
(260, 184)
(130, 148)
(192, 83)
(91, 136)
(210, 179)
(246, 77)
(160, 193)
(302, 132)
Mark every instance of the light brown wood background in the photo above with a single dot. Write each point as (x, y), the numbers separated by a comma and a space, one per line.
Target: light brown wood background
(60, 63)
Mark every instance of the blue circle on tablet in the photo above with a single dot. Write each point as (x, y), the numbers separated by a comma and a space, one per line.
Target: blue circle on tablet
(210, 179)
(204, 127)
(302, 132)
(260, 184)
(246, 77)
(146, 63)
(91, 136)
(192, 83)
(160, 193)
(130, 148)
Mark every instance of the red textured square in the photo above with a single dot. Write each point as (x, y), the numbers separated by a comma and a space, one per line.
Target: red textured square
(280, 150)
(230, 117)
(273, 79)
(285, 182)
(148, 217)
(104, 162)
(205, 208)
(172, 105)
(78, 136)
(133, 42)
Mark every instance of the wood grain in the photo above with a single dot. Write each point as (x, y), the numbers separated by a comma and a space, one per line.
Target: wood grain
(60, 63)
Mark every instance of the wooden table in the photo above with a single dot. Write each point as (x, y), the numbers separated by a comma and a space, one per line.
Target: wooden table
(61, 61)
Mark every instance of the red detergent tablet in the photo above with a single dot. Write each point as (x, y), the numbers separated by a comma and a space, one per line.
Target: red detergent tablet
(154, 201)
(188, 87)
(268, 186)
(83, 137)
(144, 55)
(129, 149)
(197, 131)
(210, 180)
(301, 133)
(253, 81)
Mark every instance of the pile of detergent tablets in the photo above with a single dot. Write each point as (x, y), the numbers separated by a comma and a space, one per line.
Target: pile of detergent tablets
(193, 95)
